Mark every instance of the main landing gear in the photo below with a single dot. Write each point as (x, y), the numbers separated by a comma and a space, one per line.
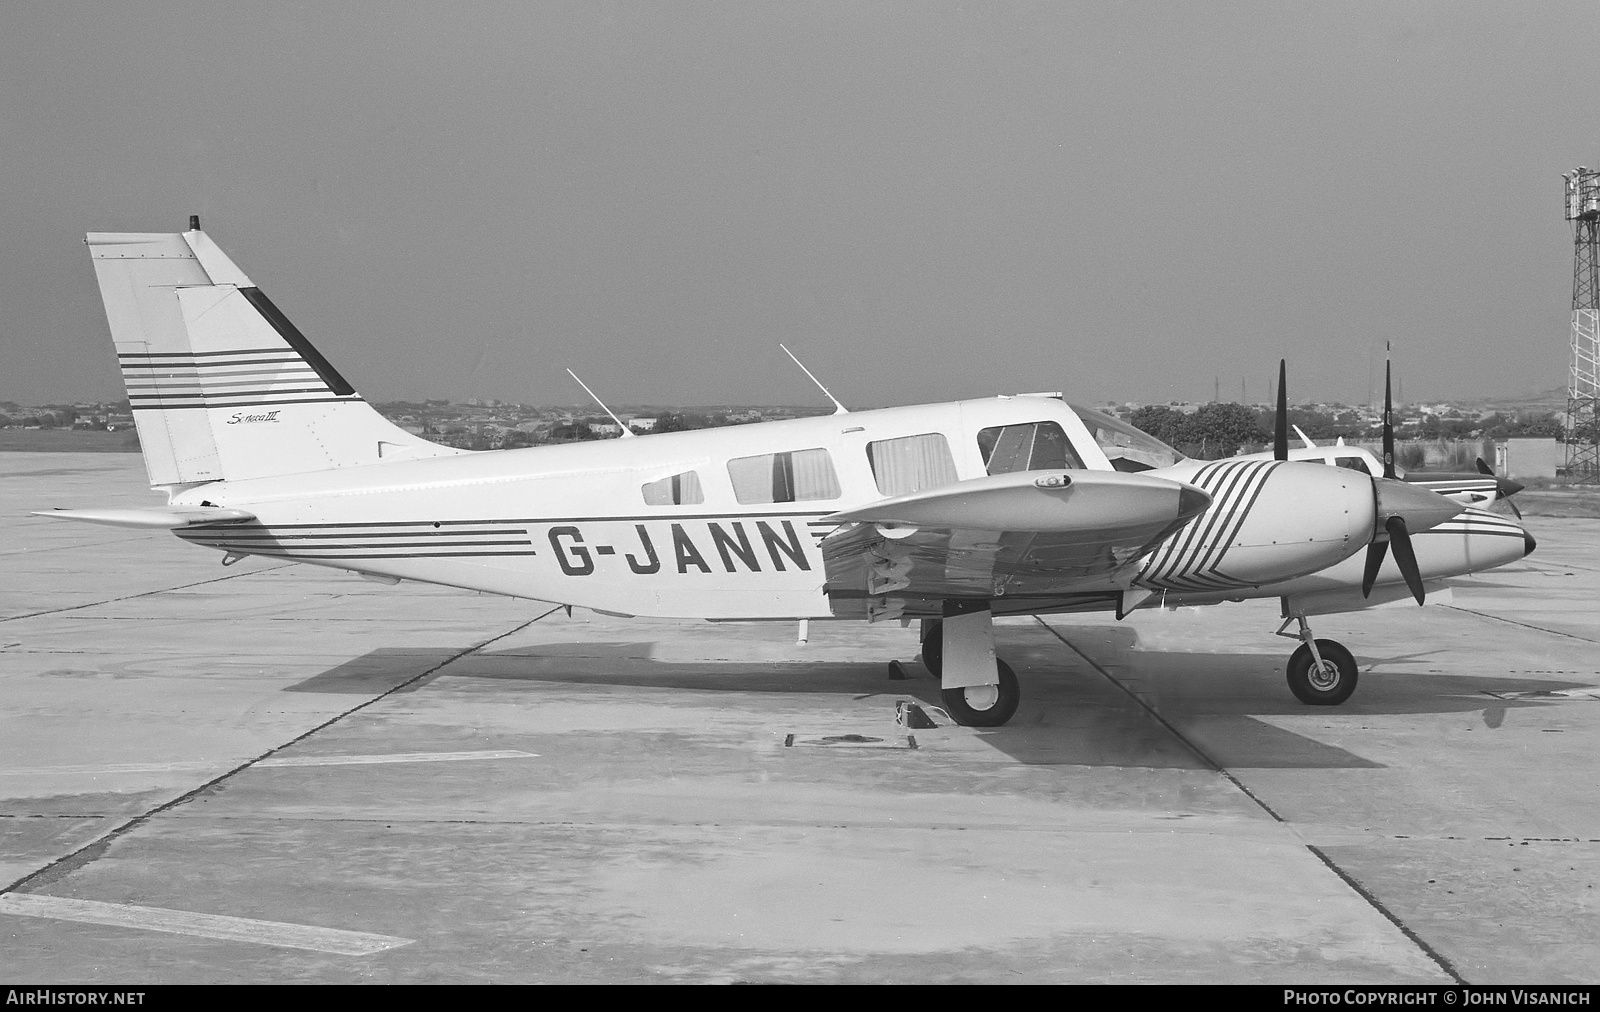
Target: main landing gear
(978, 689)
(1321, 672)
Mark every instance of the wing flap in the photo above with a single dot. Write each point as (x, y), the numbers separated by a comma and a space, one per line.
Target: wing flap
(162, 518)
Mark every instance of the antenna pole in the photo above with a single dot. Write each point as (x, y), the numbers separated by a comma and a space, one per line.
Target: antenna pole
(1581, 424)
(842, 410)
(626, 432)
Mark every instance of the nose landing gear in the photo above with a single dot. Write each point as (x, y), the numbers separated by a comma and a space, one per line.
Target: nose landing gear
(1321, 672)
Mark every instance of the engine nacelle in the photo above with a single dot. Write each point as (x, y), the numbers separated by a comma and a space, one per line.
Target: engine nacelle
(1269, 521)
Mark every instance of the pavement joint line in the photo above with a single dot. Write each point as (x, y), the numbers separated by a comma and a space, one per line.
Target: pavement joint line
(231, 761)
(185, 922)
(66, 548)
(54, 815)
(1437, 957)
(147, 593)
(1562, 570)
(1525, 625)
(1198, 829)
(396, 757)
(70, 862)
(1205, 829)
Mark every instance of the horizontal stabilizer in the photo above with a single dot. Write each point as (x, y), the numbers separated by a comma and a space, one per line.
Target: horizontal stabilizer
(168, 518)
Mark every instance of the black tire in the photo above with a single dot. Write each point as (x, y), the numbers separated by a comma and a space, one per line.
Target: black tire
(987, 712)
(1336, 682)
(933, 649)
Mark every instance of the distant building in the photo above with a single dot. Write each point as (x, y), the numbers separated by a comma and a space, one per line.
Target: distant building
(1530, 458)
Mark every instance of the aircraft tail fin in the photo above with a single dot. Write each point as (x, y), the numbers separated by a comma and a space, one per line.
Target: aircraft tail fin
(222, 385)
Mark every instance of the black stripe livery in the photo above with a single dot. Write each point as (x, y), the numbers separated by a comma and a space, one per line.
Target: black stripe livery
(290, 333)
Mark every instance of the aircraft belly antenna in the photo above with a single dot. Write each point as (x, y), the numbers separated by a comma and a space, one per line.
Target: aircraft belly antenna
(842, 410)
(626, 432)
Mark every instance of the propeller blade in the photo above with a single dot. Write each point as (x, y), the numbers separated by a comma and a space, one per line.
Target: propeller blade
(1388, 421)
(1369, 576)
(1505, 486)
(1280, 428)
(1404, 556)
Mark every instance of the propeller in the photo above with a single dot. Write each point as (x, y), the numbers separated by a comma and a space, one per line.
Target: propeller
(1393, 500)
(1506, 486)
(1280, 427)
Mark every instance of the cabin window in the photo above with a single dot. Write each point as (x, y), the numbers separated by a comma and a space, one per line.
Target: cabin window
(792, 476)
(912, 463)
(1353, 463)
(1036, 446)
(678, 490)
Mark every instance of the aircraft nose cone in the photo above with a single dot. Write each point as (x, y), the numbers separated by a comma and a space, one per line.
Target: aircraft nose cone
(1529, 543)
(1422, 508)
(1508, 487)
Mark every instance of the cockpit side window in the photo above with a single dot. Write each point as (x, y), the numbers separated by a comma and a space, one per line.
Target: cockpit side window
(1128, 448)
(1353, 463)
(679, 490)
(1034, 446)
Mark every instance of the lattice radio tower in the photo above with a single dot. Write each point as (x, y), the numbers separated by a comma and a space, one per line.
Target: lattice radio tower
(1581, 432)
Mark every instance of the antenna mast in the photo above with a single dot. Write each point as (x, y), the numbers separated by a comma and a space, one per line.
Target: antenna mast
(626, 432)
(842, 410)
(1581, 431)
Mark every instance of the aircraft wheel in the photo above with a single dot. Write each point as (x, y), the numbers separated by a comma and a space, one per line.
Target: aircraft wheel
(985, 705)
(1328, 687)
(933, 648)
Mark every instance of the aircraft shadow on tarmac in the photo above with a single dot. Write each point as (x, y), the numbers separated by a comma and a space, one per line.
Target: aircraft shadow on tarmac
(1071, 713)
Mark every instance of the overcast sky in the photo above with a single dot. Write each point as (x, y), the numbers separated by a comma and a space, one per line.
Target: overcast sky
(924, 201)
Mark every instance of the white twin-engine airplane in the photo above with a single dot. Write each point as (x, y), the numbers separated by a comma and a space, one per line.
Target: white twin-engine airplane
(946, 513)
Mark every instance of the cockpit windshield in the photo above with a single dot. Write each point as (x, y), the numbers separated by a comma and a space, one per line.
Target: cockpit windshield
(1126, 447)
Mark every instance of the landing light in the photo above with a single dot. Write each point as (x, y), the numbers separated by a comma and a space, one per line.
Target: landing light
(1054, 481)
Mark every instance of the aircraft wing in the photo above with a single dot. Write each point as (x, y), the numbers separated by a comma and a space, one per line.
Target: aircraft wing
(157, 518)
(1022, 536)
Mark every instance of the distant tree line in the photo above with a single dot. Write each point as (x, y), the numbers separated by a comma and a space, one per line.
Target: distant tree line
(1221, 430)
(683, 421)
(49, 418)
(1212, 431)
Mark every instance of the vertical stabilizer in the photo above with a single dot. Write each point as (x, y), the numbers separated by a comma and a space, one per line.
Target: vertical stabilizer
(222, 385)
